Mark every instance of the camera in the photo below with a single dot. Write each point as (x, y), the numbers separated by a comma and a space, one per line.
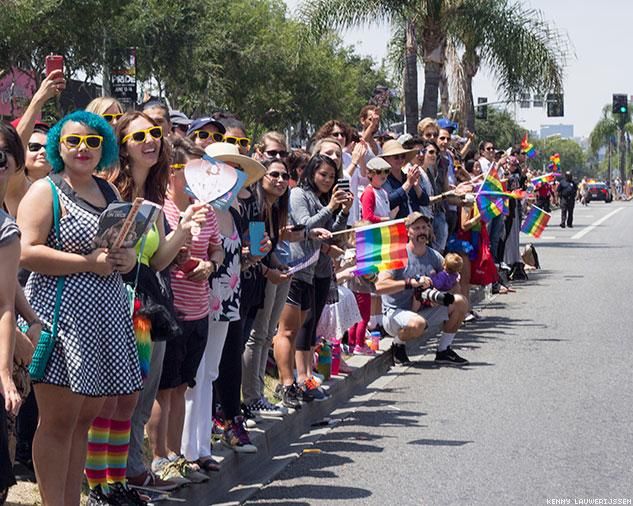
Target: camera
(428, 295)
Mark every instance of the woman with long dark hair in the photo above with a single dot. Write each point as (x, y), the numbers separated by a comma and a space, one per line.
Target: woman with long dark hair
(315, 202)
(272, 196)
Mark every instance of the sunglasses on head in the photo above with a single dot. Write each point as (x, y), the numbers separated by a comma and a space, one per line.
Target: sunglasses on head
(72, 141)
(276, 174)
(274, 153)
(155, 132)
(34, 147)
(111, 117)
(243, 142)
(203, 135)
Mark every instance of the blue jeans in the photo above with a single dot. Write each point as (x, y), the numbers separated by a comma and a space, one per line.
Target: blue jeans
(440, 230)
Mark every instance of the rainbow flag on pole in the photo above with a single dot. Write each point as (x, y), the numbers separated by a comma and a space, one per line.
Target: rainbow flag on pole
(490, 196)
(381, 247)
(527, 148)
(545, 178)
(535, 222)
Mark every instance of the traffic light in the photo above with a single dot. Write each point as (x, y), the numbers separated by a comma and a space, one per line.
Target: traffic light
(481, 109)
(620, 103)
(555, 105)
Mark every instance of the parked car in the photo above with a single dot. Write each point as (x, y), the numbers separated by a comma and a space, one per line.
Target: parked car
(599, 191)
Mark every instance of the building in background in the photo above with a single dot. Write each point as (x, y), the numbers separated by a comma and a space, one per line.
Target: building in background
(564, 131)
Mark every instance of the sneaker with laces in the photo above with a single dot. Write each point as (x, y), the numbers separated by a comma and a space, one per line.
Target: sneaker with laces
(249, 417)
(449, 357)
(236, 437)
(122, 495)
(309, 391)
(262, 407)
(289, 396)
(399, 354)
(149, 481)
(97, 497)
(363, 350)
(174, 471)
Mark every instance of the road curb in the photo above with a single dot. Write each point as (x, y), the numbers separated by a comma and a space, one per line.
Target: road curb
(274, 437)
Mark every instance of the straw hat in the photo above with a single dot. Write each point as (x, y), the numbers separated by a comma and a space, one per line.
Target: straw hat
(393, 147)
(226, 152)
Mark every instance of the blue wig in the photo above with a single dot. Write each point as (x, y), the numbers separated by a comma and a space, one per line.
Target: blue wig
(109, 148)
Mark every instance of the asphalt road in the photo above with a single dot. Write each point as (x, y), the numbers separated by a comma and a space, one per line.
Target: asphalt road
(543, 412)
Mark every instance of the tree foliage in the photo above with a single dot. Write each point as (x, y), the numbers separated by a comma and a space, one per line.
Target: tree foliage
(245, 56)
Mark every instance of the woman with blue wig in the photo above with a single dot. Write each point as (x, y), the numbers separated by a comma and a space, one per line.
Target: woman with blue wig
(94, 354)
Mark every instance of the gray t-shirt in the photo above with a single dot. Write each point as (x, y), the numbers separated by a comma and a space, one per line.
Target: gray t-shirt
(418, 266)
(8, 229)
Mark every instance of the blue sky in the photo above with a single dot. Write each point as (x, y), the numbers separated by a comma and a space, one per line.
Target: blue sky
(600, 34)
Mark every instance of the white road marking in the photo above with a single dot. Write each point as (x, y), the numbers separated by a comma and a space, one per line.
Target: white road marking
(548, 237)
(585, 231)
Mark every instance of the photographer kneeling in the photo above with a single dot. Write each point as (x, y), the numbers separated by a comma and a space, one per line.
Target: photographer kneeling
(409, 307)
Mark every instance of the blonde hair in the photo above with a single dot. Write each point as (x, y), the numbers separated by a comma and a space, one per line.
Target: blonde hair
(316, 147)
(101, 104)
(453, 263)
(277, 137)
(426, 123)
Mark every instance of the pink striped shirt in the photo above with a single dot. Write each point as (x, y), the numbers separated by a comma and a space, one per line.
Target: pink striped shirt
(191, 298)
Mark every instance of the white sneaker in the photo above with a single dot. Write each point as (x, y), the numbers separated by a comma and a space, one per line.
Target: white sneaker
(262, 407)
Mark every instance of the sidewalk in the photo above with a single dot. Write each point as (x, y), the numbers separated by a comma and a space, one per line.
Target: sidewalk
(244, 474)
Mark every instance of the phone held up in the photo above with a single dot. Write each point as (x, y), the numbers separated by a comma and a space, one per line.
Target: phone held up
(54, 62)
(343, 184)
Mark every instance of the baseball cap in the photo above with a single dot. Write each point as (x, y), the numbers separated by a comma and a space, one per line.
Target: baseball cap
(199, 123)
(447, 124)
(38, 125)
(415, 216)
(179, 119)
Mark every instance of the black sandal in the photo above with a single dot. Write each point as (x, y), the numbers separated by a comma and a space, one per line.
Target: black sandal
(208, 464)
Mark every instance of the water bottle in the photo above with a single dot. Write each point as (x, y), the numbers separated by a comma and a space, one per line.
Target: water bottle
(336, 356)
(324, 365)
(374, 337)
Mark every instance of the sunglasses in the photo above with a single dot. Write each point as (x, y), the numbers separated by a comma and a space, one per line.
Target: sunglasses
(73, 141)
(3, 158)
(430, 134)
(34, 147)
(273, 153)
(400, 156)
(338, 134)
(429, 152)
(283, 175)
(203, 135)
(177, 166)
(378, 172)
(243, 142)
(443, 138)
(154, 132)
(111, 117)
(490, 148)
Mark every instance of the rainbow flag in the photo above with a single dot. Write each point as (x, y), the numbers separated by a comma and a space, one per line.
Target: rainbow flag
(545, 178)
(514, 194)
(527, 148)
(535, 222)
(491, 196)
(382, 247)
(554, 164)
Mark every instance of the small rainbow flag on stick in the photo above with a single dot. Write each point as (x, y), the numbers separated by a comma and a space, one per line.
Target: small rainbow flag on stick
(535, 222)
(490, 196)
(527, 148)
(554, 164)
(381, 247)
(545, 178)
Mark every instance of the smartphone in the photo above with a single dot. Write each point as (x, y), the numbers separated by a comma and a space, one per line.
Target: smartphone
(297, 228)
(54, 62)
(256, 233)
(189, 265)
(343, 184)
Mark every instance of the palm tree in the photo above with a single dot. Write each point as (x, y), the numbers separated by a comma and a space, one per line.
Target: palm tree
(608, 128)
(324, 15)
(523, 51)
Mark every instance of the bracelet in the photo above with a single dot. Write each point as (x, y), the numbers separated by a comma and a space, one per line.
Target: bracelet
(264, 272)
(215, 265)
(407, 284)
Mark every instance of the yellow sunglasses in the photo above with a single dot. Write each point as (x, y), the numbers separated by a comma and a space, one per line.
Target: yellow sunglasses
(111, 117)
(177, 166)
(155, 132)
(73, 141)
(243, 142)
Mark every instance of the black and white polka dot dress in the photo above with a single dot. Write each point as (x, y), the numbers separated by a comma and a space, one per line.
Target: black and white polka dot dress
(95, 352)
